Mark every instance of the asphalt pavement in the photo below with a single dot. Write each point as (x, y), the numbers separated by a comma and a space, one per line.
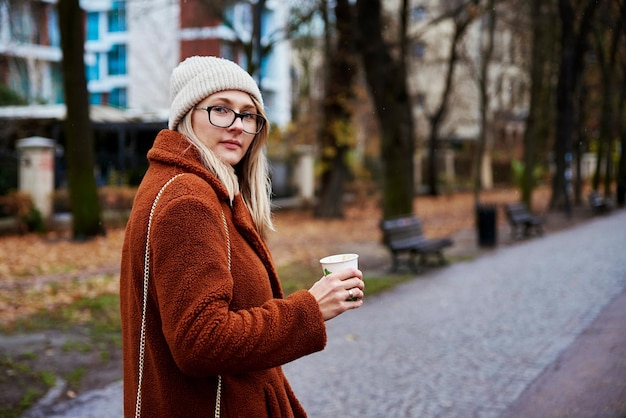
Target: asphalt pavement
(502, 335)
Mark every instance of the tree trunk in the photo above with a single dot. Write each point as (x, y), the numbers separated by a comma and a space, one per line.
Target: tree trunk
(78, 130)
(621, 124)
(610, 74)
(386, 77)
(482, 161)
(621, 169)
(462, 19)
(540, 92)
(337, 134)
(573, 47)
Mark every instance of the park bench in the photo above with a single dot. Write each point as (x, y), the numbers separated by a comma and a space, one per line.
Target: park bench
(522, 221)
(599, 204)
(403, 235)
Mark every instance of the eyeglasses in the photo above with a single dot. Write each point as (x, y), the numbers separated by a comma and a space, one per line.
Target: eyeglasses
(224, 117)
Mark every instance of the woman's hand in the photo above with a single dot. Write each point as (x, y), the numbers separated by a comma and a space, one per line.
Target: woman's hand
(338, 292)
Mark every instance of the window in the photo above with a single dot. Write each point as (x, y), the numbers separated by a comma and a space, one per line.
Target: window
(117, 17)
(93, 27)
(420, 100)
(56, 75)
(19, 79)
(227, 50)
(117, 97)
(117, 60)
(240, 17)
(419, 49)
(21, 23)
(92, 66)
(54, 33)
(418, 13)
(95, 98)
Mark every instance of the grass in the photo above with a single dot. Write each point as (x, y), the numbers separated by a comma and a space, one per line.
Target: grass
(301, 276)
(93, 329)
(24, 385)
(75, 376)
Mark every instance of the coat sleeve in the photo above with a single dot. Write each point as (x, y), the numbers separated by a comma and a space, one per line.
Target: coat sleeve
(194, 291)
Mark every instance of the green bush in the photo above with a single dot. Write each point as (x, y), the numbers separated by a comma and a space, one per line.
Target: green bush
(10, 98)
(517, 169)
(34, 220)
(20, 205)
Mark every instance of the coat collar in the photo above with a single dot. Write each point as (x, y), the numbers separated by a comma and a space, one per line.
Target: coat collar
(172, 148)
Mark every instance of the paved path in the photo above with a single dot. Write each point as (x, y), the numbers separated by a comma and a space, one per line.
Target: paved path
(467, 340)
(588, 379)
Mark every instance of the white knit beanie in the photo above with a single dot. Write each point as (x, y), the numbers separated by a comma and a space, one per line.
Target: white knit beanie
(197, 77)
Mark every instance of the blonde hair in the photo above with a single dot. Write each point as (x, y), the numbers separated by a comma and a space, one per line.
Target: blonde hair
(250, 176)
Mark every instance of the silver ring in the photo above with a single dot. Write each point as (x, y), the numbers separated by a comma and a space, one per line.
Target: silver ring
(350, 294)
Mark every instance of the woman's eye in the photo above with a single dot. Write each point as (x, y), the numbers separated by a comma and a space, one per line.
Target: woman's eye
(249, 116)
(220, 110)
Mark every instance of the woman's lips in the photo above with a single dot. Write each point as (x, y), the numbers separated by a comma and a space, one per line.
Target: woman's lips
(231, 144)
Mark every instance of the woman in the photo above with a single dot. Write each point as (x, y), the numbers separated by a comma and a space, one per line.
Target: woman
(213, 328)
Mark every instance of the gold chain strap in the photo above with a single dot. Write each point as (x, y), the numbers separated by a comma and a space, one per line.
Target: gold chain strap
(218, 398)
(146, 277)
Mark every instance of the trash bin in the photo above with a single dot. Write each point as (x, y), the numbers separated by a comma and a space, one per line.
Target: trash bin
(621, 194)
(486, 224)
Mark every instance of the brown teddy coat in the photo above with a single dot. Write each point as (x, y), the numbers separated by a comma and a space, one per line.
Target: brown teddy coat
(202, 319)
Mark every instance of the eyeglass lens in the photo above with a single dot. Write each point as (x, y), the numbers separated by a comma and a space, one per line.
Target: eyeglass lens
(224, 117)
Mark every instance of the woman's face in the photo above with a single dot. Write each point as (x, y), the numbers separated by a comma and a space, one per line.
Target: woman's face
(229, 144)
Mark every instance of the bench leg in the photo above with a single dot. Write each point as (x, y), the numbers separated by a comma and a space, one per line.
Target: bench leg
(441, 260)
(413, 265)
(394, 262)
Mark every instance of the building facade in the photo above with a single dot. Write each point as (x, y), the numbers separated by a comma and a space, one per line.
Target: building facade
(30, 53)
(132, 46)
(431, 32)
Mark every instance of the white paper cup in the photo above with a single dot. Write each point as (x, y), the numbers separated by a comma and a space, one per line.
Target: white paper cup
(338, 262)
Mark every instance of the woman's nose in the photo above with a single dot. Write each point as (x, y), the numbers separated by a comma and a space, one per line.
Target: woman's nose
(237, 124)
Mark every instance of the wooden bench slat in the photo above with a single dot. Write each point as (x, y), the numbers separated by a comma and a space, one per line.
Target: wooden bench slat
(522, 221)
(404, 235)
(599, 204)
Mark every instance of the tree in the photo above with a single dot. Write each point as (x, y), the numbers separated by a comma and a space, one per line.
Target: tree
(251, 44)
(337, 133)
(462, 16)
(541, 72)
(621, 121)
(607, 34)
(257, 43)
(386, 78)
(78, 130)
(483, 83)
(573, 42)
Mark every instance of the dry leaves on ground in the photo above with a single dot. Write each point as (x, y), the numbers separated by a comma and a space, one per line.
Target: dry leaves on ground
(44, 271)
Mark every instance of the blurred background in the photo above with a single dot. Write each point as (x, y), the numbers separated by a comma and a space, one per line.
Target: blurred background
(392, 99)
(446, 109)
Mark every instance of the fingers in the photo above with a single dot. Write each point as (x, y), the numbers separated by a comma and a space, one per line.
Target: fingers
(350, 281)
(347, 278)
(347, 274)
(355, 294)
(339, 292)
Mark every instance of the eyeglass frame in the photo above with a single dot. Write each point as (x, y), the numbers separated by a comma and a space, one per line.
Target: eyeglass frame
(260, 118)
